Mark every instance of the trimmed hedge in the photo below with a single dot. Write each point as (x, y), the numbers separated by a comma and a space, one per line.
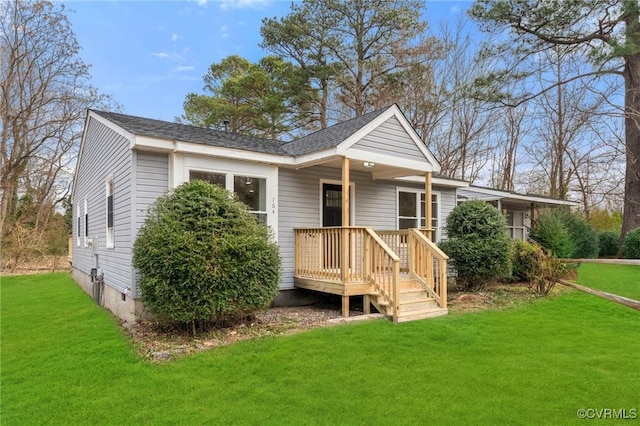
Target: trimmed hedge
(202, 256)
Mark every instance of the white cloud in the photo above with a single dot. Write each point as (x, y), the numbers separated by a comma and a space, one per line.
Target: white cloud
(243, 4)
(455, 10)
(202, 2)
(172, 56)
(224, 32)
(183, 68)
(175, 37)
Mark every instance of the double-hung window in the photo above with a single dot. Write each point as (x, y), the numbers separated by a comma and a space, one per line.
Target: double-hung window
(412, 212)
(109, 219)
(515, 225)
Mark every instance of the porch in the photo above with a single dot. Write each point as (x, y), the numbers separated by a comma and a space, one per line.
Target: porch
(401, 273)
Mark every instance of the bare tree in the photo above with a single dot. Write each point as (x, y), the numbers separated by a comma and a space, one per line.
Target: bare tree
(606, 33)
(45, 93)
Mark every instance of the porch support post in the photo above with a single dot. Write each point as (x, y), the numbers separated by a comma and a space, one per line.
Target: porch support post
(344, 239)
(427, 205)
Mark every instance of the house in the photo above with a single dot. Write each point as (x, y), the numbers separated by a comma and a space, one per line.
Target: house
(384, 252)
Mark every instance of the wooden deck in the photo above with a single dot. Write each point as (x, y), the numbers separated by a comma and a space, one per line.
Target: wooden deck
(401, 273)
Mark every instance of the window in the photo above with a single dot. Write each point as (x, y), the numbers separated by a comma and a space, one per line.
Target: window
(253, 192)
(515, 225)
(78, 226)
(86, 223)
(214, 178)
(110, 231)
(411, 211)
(250, 190)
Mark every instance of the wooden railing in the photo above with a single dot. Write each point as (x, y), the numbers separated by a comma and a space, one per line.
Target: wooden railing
(384, 267)
(375, 257)
(428, 265)
(319, 253)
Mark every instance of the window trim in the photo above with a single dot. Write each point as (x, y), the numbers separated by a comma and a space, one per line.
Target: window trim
(110, 231)
(86, 223)
(511, 228)
(78, 226)
(437, 213)
(230, 186)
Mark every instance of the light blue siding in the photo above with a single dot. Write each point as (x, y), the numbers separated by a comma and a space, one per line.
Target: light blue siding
(105, 154)
(389, 137)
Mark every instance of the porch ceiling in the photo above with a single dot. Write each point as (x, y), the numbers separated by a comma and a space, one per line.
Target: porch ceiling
(378, 171)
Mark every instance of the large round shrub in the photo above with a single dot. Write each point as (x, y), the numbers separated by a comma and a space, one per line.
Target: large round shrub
(632, 244)
(609, 243)
(201, 256)
(477, 243)
(550, 231)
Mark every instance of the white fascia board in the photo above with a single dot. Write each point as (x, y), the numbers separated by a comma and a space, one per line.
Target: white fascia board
(314, 158)
(147, 143)
(510, 196)
(388, 160)
(541, 200)
(154, 144)
(439, 181)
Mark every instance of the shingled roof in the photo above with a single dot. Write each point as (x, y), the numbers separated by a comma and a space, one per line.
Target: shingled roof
(200, 135)
(322, 139)
(331, 136)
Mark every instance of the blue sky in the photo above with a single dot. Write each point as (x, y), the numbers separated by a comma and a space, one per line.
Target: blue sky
(149, 54)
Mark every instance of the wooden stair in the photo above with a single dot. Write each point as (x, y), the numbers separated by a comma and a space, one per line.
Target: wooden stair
(415, 302)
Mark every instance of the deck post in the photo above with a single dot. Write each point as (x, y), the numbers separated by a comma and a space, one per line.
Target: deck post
(344, 256)
(366, 304)
(427, 205)
(345, 306)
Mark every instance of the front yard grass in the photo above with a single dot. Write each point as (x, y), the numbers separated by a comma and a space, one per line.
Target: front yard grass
(66, 361)
(623, 280)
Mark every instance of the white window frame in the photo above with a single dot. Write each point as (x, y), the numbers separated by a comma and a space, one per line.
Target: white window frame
(512, 228)
(109, 231)
(437, 212)
(85, 223)
(79, 226)
(181, 165)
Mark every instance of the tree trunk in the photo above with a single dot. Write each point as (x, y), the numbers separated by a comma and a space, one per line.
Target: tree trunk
(631, 216)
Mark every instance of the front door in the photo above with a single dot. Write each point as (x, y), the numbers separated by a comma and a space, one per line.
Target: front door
(332, 216)
(331, 205)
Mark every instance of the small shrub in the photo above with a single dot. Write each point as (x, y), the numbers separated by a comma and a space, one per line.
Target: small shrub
(533, 266)
(478, 244)
(632, 244)
(609, 242)
(202, 257)
(526, 259)
(551, 232)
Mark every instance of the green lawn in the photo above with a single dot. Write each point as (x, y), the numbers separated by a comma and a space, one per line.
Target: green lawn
(65, 361)
(623, 280)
